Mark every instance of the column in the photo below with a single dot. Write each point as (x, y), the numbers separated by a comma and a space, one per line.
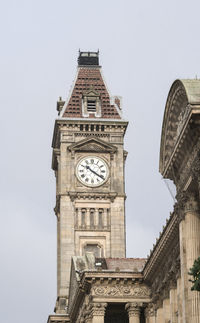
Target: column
(96, 218)
(179, 301)
(166, 310)
(87, 218)
(160, 315)
(133, 310)
(150, 314)
(173, 302)
(83, 218)
(192, 222)
(189, 229)
(98, 312)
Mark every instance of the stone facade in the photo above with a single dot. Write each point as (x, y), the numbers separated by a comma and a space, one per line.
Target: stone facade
(96, 283)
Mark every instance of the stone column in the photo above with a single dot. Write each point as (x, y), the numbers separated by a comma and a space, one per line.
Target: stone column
(98, 312)
(160, 314)
(150, 314)
(192, 222)
(179, 301)
(87, 220)
(173, 302)
(133, 310)
(166, 310)
(189, 251)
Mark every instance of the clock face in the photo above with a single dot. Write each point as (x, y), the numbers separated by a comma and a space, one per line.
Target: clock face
(92, 171)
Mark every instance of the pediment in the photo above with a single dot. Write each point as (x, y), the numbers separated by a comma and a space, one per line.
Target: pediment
(92, 145)
(91, 92)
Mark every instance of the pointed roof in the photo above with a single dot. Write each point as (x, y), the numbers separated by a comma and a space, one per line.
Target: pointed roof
(89, 78)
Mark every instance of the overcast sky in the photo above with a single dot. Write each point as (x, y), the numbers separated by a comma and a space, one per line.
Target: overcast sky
(144, 46)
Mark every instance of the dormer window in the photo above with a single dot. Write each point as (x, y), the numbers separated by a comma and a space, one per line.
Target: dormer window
(91, 104)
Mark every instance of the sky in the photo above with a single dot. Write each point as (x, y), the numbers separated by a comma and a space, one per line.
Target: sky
(144, 46)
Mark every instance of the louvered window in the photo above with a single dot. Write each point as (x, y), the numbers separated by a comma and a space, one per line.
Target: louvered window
(91, 105)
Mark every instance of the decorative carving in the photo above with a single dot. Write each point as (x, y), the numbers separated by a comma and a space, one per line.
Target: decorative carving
(190, 168)
(186, 202)
(174, 119)
(182, 118)
(133, 309)
(196, 169)
(149, 311)
(92, 196)
(138, 292)
(98, 309)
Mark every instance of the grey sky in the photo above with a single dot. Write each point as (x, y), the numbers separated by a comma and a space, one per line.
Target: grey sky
(144, 46)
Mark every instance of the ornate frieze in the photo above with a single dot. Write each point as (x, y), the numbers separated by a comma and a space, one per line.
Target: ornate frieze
(120, 291)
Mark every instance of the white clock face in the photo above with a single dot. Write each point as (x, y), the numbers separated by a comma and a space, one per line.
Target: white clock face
(92, 171)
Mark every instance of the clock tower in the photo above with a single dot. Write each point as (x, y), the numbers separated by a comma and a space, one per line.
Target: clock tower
(88, 160)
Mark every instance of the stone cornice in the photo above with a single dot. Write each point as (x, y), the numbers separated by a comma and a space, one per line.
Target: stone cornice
(75, 123)
(93, 196)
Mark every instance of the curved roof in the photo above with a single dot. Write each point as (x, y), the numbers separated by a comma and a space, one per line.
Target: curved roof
(181, 93)
(192, 89)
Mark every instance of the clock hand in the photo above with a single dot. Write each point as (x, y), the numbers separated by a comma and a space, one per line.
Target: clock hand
(101, 176)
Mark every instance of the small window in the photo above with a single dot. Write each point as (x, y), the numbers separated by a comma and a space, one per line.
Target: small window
(91, 105)
(95, 249)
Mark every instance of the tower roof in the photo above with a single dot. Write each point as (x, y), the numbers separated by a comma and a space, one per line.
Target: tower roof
(88, 58)
(89, 83)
